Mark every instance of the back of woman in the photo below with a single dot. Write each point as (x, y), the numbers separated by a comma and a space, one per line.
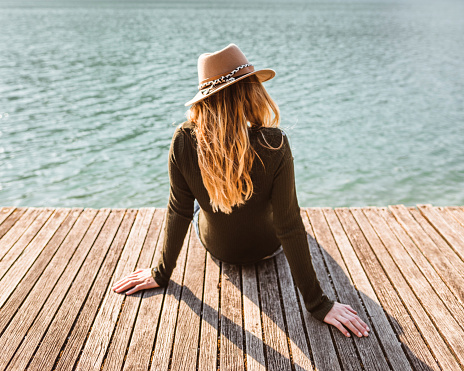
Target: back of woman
(228, 161)
(231, 172)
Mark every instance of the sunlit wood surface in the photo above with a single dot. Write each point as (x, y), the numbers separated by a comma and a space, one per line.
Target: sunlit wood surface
(401, 268)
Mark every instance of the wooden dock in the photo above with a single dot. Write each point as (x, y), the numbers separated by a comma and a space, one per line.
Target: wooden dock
(401, 268)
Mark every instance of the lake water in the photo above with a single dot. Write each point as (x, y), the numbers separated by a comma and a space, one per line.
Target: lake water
(371, 96)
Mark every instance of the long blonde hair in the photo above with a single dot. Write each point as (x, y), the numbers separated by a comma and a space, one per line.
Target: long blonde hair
(225, 156)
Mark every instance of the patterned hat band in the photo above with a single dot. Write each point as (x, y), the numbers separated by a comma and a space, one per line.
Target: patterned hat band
(222, 79)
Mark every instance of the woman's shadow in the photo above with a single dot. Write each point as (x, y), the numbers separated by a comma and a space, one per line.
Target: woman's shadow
(272, 308)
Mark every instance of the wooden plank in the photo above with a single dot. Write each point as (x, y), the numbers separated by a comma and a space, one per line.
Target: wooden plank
(443, 228)
(369, 348)
(369, 276)
(167, 322)
(434, 275)
(438, 240)
(94, 351)
(186, 338)
(380, 265)
(443, 260)
(452, 221)
(51, 287)
(406, 262)
(11, 250)
(254, 344)
(122, 334)
(208, 357)
(11, 219)
(276, 347)
(457, 213)
(19, 268)
(231, 341)
(60, 322)
(345, 347)
(143, 337)
(300, 352)
(49, 349)
(5, 212)
(28, 279)
(23, 244)
(406, 256)
(52, 271)
(319, 333)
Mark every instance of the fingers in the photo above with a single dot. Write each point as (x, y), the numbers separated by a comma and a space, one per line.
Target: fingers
(338, 325)
(138, 280)
(353, 324)
(126, 285)
(123, 280)
(364, 326)
(350, 309)
(137, 288)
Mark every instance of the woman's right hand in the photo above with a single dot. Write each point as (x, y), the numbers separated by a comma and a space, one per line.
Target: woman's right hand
(342, 315)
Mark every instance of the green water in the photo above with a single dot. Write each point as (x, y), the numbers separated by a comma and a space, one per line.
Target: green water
(371, 96)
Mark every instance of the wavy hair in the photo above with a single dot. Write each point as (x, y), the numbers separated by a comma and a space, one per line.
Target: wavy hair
(225, 156)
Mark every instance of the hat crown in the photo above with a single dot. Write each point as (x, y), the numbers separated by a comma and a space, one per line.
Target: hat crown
(213, 65)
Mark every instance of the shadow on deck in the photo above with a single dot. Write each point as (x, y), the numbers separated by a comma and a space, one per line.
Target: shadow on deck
(401, 268)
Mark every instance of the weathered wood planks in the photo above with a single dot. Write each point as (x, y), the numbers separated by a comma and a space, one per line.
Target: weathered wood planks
(401, 268)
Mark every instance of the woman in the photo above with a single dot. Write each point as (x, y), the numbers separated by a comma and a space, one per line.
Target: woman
(231, 172)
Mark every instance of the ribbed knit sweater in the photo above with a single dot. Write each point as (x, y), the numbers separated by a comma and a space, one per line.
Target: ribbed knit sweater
(270, 218)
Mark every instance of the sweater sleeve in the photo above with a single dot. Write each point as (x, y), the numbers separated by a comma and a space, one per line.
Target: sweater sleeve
(179, 213)
(291, 232)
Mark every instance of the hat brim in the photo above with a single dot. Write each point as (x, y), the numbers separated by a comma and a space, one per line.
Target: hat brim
(262, 75)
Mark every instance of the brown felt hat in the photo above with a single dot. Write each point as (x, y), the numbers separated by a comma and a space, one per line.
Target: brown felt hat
(223, 68)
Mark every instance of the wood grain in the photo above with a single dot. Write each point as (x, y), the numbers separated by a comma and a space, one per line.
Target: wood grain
(400, 267)
(70, 351)
(231, 341)
(168, 318)
(143, 336)
(39, 308)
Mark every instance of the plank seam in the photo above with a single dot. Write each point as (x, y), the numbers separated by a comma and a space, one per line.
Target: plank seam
(64, 296)
(8, 214)
(180, 298)
(125, 296)
(142, 293)
(335, 290)
(19, 210)
(38, 278)
(374, 329)
(261, 316)
(76, 362)
(415, 295)
(201, 312)
(157, 328)
(83, 302)
(440, 232)
(403, 346)
(431, 263)
(303, 322)
(427, 278)
(287, 336)
(32, 239)
(245, 365)
(162, 226)
(218, 355)
(327, 272)
(24, 230)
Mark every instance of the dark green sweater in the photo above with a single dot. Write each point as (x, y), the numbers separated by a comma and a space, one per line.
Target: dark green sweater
(270, 218)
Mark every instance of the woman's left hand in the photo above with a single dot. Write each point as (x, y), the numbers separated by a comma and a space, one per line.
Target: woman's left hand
(138, 280)
(342, 315)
